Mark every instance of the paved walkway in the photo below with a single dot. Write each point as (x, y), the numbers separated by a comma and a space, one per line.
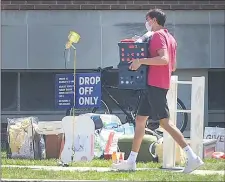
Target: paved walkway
(105, 169)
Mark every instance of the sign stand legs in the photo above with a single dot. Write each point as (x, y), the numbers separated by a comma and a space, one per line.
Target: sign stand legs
(197, 115)
(169, 149)
(197, 119)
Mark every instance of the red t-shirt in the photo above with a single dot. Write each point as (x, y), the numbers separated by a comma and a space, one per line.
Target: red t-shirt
(159, 76)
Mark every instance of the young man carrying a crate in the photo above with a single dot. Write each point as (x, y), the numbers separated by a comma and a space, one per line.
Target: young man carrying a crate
(162, 63)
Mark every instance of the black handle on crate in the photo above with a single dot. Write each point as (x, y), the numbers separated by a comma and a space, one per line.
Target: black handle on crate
(131, 70)
(108, 68)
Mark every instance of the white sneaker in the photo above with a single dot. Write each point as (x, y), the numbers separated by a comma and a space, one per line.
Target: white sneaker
(125, 166)
(192, 164)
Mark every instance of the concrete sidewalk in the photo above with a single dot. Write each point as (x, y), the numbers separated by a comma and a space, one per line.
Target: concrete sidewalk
(105, 169)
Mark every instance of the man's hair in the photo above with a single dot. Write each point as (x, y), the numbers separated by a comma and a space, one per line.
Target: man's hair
(158, 14)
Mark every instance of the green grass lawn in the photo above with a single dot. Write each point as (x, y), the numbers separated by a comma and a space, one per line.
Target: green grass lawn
(154, 175)
(14, 173)
(210, 164)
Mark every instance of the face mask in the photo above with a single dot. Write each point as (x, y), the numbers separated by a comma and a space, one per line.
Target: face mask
(148, 27)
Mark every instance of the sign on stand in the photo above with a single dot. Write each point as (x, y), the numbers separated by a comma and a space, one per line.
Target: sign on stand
(88, 90)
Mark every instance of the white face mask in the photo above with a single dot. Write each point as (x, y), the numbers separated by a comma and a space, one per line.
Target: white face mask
(148, 27)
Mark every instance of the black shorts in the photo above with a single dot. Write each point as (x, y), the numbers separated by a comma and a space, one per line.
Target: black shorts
(154, 104)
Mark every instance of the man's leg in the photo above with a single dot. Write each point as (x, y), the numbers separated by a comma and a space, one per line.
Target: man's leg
(193, 160)
(173, 131)
(130, 163)
(140, 121)
(138, 137)
(160, 111)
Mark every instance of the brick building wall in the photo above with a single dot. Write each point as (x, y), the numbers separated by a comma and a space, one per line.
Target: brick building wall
(112, 5)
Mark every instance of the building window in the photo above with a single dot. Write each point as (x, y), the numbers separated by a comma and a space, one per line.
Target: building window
(216, 85)
(9, 91)
(37, 91)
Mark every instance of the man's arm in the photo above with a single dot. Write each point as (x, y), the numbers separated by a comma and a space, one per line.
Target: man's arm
(174, 64)
(159, 45)
(162, 59)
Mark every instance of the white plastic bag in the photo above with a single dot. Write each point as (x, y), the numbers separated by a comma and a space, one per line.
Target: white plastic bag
(110, 138)
(216, 133)
(99, 145)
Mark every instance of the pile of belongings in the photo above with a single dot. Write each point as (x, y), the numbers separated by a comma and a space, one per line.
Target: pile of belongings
(108, 129)
(23, 140)
(111, 136)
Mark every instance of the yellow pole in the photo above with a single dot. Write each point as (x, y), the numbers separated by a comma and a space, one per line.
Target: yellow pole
(73, 38)
(74, 102)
